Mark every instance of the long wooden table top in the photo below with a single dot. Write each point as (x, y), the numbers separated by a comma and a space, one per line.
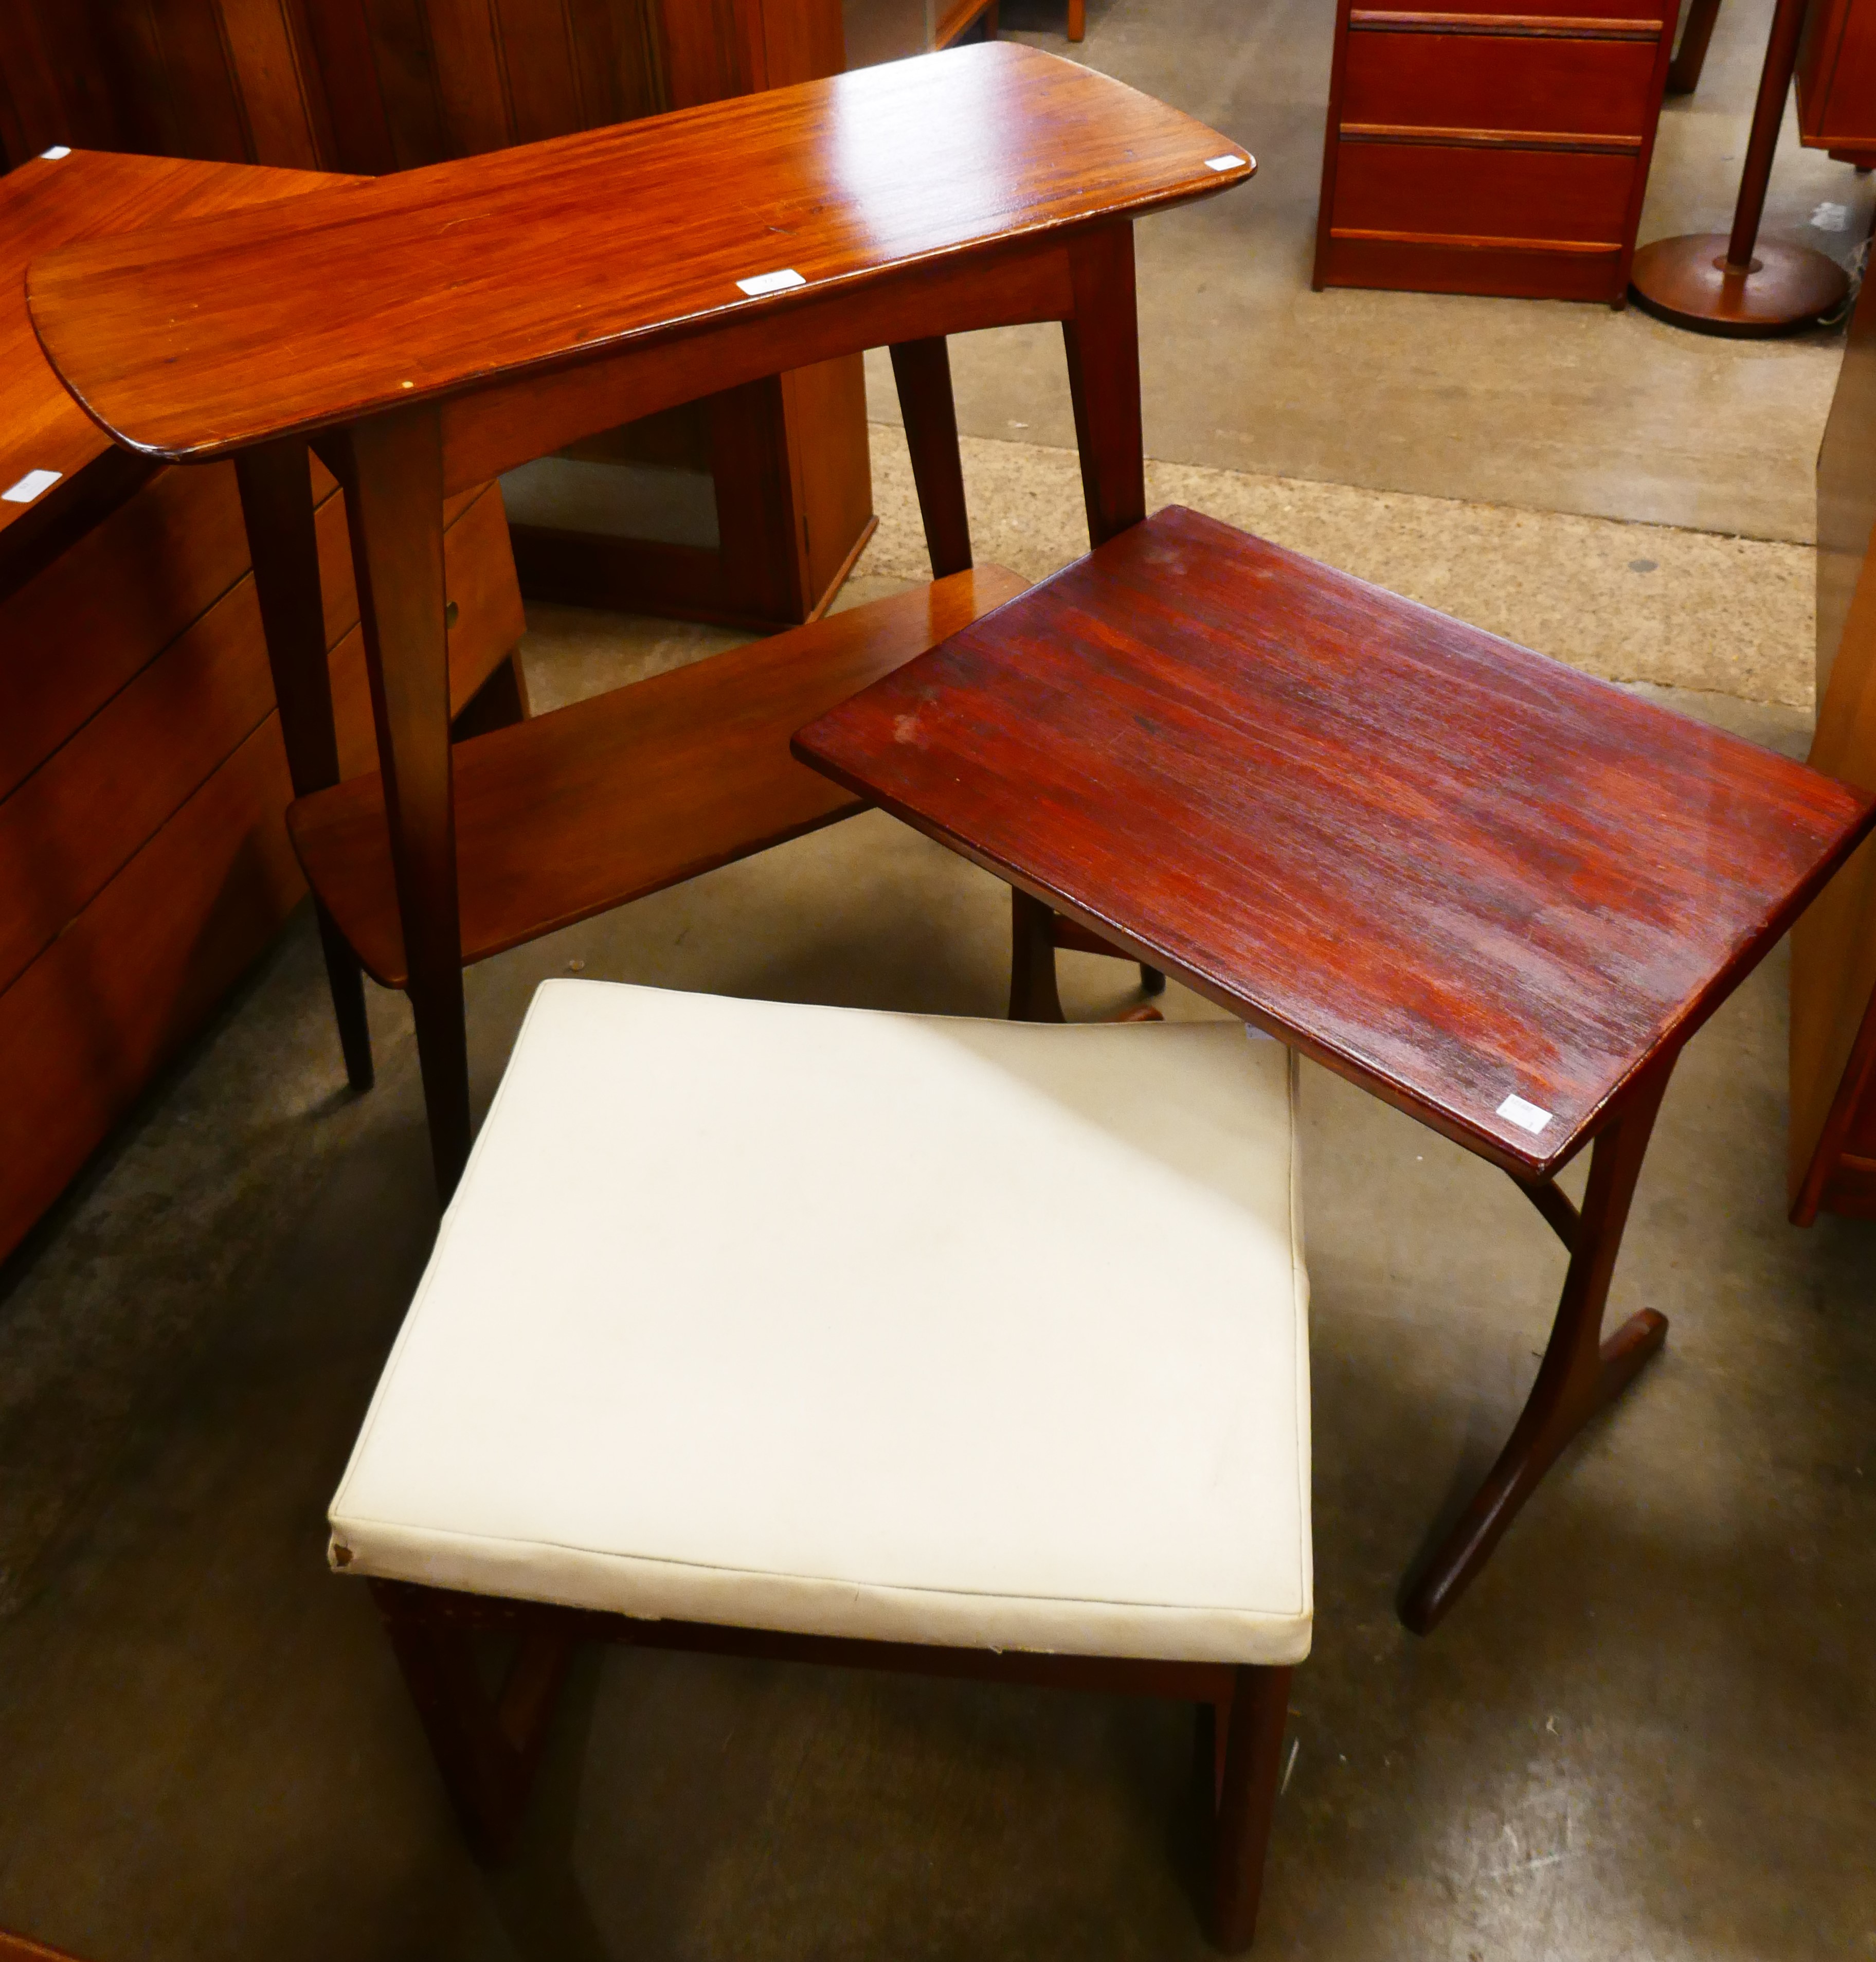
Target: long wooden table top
(49, 202)
(204, 338)
(1487, 887)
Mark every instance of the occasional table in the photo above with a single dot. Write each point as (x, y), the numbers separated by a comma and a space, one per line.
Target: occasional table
(1497, 894)
(435, 328)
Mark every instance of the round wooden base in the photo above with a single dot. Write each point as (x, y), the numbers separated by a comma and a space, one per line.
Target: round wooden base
(1684, 280)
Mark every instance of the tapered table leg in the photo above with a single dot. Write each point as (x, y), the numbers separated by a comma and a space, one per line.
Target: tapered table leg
(922, 370)
(284, 546)
(395, 504)
(1581, 1371)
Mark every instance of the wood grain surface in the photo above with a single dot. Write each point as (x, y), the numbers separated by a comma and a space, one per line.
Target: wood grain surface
(614, 797)
(48, 203)
(1447, 866)
(202, 338)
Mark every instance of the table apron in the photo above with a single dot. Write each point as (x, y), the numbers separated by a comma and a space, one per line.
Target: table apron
(496, 426)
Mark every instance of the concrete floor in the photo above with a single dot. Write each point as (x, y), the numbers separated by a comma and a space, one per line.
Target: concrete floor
(1645, 1733)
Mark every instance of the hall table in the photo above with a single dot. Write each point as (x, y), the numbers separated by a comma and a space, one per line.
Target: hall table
(1498, 894)
(432, 329)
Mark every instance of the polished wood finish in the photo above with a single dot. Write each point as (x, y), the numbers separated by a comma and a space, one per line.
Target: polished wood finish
(597, 289)
(1410, 848)
(17, 1948)
(1836, 80)
(374, 86)
(544, 836)
(1746, 287)
(564, 255)
(50, 202)
(487, 1746)
(1483, 150)
(1833, 1157)
(1457, 873)
(144, 861)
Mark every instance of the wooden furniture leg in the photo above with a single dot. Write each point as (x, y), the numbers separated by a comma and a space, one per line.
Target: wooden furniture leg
(1684, 72)
(1581, 1371)
(922, 370)
(1032, 995)
(394, 505)
(1102, 344)
(487, 1750)
(1078, 19)
(1247, 1802)
(276, 501)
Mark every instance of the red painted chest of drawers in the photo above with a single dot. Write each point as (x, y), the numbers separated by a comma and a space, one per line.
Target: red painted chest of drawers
(1480, 151)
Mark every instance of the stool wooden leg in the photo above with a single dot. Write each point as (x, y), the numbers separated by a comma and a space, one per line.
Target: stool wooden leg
(284, 546)
(1247, 1803)
(486, 1749)
(1581, 1372)
(1078, 19)
(922, 370)
(394, 506)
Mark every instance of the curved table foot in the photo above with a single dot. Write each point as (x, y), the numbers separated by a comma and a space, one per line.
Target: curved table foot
(1579, 1374)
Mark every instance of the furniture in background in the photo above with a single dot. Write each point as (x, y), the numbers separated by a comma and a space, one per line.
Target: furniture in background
(884, 30)
(1836, 80)
(1833, 947)
(1490, 151)
(194, 346)
(1498, 894)
(1066, 1442)
(749, 509)
(144, 860)
(1738, 284)
(17, 1948)
(1836, 74)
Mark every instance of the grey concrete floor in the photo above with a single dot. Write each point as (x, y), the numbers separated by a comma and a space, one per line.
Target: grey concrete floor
(1648, 1731)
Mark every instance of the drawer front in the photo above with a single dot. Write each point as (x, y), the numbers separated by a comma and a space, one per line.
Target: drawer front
(1421, 191)
(1493, 82)
(1626, 13)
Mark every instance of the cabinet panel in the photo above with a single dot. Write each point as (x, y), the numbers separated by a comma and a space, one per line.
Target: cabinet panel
(1415, 188)
(1467, 82)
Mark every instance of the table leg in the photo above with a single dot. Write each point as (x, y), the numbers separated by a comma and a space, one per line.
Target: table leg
(277, 502)
(1579, 1374)
(1033, 996)
(1684, 72)
(922, 370)
(1102, 344)
(395, 505)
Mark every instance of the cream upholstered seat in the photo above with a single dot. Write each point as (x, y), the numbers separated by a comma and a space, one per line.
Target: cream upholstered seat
(902, 1328)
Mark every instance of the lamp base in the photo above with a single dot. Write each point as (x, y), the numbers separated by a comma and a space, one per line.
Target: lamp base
(1685, 280)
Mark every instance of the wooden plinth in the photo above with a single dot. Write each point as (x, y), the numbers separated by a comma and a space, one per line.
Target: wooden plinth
(1685, 280)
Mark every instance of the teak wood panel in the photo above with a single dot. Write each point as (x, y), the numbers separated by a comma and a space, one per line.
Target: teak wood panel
(430, 283)
(1444, 81)
(1837, 79)
(1331, 758)
(115, 995)
(1832, 1161)
(47, 202)
(613, 797)
(1413, 190)
(68, 829)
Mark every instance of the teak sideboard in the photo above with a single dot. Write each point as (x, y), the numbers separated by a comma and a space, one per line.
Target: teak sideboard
(144, 859)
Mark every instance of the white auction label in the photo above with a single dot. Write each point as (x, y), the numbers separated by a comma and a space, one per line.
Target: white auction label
(1526, 1116)
(34, 483)
(57, 151)
(1227, 163)
(771, 282)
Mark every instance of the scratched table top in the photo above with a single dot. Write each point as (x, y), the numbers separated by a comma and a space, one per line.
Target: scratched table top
(1488, 888)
